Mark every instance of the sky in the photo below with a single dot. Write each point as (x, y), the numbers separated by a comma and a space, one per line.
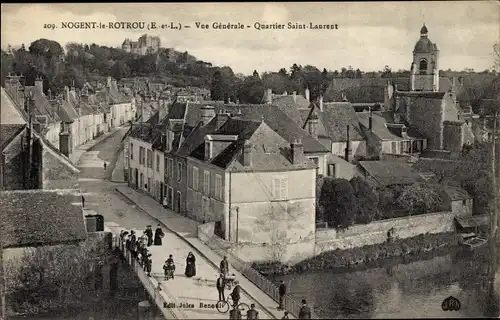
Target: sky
(370, 35)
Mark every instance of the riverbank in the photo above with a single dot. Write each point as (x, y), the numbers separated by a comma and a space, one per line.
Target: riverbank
(366, 255)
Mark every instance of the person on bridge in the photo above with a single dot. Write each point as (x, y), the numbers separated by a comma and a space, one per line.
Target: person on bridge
(169, 267)
(105, 165)
(190, 265)
(305, 311)
(149, 233)
(221, 285)
(133, 244)
(252, 314)
(158, 236)
(285, 316)
(236, 294)
(224, 266)
(282, 292)
(149, 264)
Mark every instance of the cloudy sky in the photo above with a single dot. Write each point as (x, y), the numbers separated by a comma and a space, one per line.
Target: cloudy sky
(370, 35)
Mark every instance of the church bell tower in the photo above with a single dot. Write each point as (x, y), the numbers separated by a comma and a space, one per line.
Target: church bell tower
(425, 68)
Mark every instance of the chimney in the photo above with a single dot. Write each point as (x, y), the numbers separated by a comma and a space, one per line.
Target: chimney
(39, 84)
(269, 96)
(220, 119)
(207, 113)
(49, 92)
(344, 98)
(307, 94)
(108, 82)
(294, 96)
(370, 120)
(312, 125)
(247, 153)
(348, 150)
(64, 143)
(297, 151)
(321, 102)
(66, 94)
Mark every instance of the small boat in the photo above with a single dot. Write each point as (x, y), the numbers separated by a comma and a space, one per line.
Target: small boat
(471, 241)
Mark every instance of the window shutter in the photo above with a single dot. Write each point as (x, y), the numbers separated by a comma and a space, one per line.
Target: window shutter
(284, 188)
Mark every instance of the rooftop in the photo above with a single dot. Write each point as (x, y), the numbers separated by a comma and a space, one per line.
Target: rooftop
(388, 173)
(41, 217)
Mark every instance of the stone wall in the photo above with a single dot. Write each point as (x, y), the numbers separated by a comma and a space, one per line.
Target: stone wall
(376, 232)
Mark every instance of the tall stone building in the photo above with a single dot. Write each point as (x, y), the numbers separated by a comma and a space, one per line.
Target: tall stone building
(424, 68)
(144, 45)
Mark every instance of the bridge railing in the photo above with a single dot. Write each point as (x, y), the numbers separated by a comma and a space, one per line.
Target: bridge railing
(153, 289)
(245, 268)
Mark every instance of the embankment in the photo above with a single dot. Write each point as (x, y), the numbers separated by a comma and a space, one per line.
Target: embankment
(368, 254)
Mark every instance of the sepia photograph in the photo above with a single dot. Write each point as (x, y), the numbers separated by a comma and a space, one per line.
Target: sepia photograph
(250, 160)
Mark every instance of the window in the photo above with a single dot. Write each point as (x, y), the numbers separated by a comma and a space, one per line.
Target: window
(142, 181)
(148, 187)
(280, 188)
(423, 65)
(206, 182)
(141, 155)
(157, 162)
(150, 159)
(218, 186)
(170, 168)
(179, 171)
(331, 170)
(394, 147)
(131, 151)
(195, 178)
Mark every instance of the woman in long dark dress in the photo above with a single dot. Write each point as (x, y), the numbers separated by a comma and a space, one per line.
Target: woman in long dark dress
(158, 236)
(190, 265)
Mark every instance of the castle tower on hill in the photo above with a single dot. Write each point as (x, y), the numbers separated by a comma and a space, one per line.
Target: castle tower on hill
(425, 66)
(144, 45)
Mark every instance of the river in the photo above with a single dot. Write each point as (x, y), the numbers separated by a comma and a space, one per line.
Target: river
(396, 289)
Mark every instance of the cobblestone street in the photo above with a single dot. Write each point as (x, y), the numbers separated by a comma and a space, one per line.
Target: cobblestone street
(102, 197)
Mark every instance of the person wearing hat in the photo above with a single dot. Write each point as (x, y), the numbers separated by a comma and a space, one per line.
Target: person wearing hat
(236, 294)
(221, 285)
(149, 264)
(285, 316)
(149, 233)
(305, 311)
(252, 314)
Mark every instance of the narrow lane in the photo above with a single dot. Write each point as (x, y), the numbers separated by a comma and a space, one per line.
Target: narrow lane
(102, 197)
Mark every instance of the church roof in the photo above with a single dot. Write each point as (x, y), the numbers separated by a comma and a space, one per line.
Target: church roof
(424, 30)
(424, 45)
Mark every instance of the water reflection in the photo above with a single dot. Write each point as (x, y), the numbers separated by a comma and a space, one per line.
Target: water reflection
(398, 290)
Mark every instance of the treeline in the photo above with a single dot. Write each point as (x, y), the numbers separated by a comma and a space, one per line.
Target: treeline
(83, 62)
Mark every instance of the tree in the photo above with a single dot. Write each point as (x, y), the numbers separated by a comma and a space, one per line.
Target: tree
(55, 278)
(325, 81)
(46, 48)
(496, 57)
(339, 202)
(418, 198)
(367, 200)
(120, 70)
(217, 89)
(255, 74)
(251, 90)
(387, 72)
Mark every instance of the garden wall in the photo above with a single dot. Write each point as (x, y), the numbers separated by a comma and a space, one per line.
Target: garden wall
(376, 232)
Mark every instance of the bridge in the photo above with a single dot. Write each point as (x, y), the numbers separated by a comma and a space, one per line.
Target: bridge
(182, 297)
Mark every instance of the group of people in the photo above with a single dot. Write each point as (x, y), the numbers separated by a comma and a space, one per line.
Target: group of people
(138, 246)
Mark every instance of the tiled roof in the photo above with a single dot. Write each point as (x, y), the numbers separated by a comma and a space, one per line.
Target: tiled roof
(41, 217)
(391, 172)
(42, 105)
(269, 151)
(290, 106)
(380, 129)
(196, 138)
(67, 112)
(10, 114)
(8, 132)
(335, 117)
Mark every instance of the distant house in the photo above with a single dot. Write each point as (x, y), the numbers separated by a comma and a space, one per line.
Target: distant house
(23, 210)
(27, 159)
(456, 199)
(386, 137)
(336, 126)
(380, 174)
(240, 176)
